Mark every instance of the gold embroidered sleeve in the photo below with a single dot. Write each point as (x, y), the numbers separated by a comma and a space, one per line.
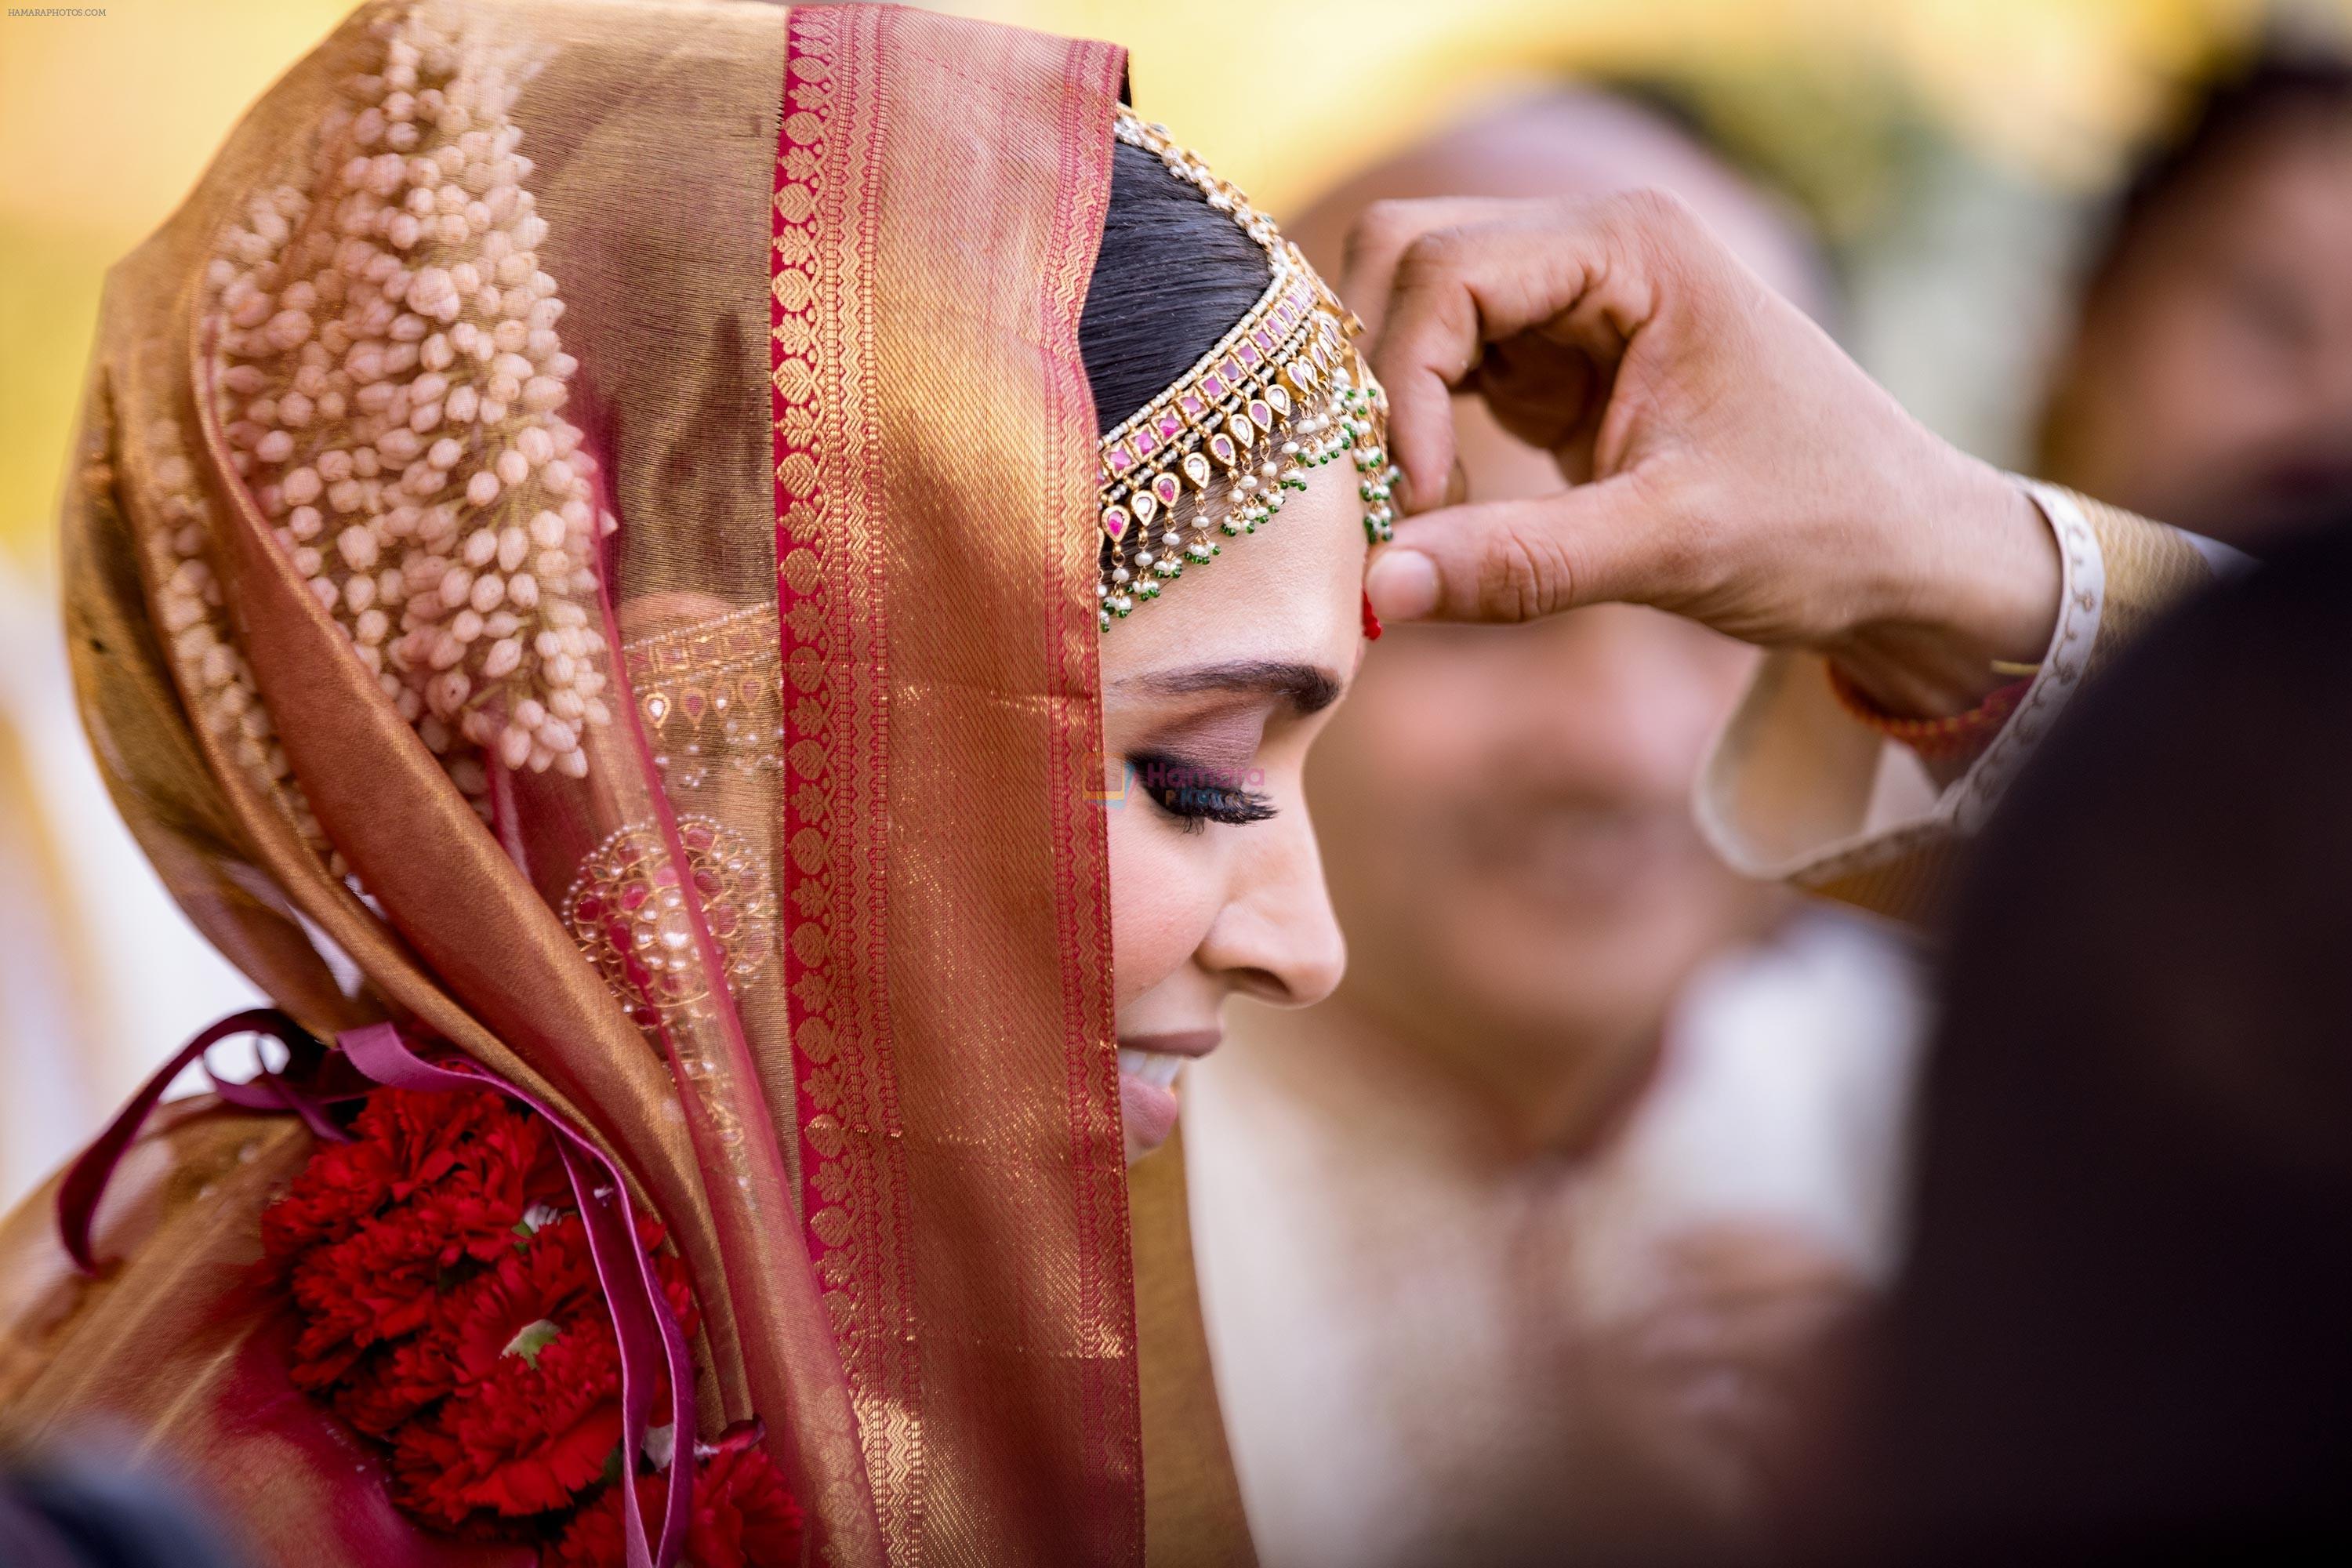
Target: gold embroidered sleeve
(1797, 790)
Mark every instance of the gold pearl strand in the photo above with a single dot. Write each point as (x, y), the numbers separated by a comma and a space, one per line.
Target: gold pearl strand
(1189, 461)
(390, 378)
(192, 614)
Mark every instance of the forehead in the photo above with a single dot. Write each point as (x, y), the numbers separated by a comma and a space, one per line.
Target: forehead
(1290, 592)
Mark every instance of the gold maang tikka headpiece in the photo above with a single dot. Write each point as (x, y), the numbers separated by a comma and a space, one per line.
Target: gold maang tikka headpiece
(1217, 454)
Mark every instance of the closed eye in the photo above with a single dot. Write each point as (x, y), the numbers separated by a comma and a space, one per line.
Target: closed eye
(1195, 794)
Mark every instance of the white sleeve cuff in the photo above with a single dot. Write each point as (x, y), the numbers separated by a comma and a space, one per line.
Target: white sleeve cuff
(1797, 788)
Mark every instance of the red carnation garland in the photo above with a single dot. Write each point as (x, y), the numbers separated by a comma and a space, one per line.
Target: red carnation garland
(450, 1310)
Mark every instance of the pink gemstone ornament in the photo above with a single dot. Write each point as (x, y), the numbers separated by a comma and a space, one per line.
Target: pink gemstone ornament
(1286, 373)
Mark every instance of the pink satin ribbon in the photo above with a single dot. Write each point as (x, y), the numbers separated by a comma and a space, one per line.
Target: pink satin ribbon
(314, 1079)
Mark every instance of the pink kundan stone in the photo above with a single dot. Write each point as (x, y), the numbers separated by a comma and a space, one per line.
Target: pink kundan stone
(1120, 459)
(1146, 443)
(1166, 488)
(1115, 520)
(1212, 385)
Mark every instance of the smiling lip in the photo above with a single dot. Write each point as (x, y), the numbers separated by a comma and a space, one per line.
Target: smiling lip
(1189, 1042)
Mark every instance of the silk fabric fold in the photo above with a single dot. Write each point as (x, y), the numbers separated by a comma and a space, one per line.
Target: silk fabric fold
(822, 272)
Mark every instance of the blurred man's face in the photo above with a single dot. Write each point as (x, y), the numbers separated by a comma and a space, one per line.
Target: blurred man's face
(2211, 383)
(1511, 850)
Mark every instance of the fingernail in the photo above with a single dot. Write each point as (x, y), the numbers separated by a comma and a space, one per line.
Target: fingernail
(1402, 584)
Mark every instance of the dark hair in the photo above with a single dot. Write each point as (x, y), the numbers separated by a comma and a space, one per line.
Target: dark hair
(2122, 1331)
(1174, 276)
(2274, 87)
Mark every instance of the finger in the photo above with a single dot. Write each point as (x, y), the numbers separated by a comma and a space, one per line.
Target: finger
(1452, 292)
(1581, 272)
(1458, 490)
(1378, 236)
(1519, 560)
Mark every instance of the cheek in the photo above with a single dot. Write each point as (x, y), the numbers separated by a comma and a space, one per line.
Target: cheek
(1164, 895)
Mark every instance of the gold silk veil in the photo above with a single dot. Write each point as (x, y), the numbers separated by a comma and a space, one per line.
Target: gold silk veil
(790, 898)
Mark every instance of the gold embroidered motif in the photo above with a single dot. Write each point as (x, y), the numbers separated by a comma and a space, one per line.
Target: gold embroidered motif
(708, 695)
(628, 910)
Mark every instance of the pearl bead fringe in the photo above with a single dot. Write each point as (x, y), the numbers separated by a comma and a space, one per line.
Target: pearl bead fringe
(389, 379)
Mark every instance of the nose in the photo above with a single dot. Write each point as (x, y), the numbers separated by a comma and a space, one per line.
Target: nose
(1275, 938)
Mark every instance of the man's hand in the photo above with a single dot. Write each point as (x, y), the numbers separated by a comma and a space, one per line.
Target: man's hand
(1731, 464)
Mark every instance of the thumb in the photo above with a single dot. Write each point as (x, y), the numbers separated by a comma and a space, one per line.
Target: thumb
(1515, 559)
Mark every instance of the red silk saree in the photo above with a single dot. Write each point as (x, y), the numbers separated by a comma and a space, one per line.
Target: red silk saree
(752, 846)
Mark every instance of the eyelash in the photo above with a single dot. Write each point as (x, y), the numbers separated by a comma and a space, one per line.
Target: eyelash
(1195, 804)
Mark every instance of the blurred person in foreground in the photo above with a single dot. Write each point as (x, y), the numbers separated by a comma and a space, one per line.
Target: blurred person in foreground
(87, 1509)
(1596, 1136)
(2209, 380)
(2120, 1335)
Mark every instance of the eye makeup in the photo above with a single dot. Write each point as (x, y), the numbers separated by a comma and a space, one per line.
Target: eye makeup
(1196, 792)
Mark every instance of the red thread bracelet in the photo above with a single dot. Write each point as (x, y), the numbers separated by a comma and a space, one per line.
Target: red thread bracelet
(1961, 734)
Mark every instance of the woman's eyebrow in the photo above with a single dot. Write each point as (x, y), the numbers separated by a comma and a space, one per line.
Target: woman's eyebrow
(1303, 687)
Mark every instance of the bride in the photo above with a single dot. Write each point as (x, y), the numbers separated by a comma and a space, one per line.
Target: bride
(733, 602)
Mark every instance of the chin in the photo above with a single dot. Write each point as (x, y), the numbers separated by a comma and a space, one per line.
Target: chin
(1147, 1113)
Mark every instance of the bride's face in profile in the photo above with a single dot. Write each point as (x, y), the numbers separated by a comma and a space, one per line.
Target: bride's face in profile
(1212, 695)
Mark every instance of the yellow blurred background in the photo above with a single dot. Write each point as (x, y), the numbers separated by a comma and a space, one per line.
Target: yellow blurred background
(105, 119)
